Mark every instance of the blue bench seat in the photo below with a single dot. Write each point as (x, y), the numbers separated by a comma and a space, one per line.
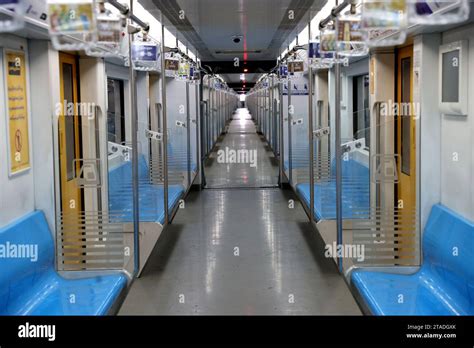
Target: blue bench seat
(31, 286)
(178, 159)
(444, 285)
(151, 197)
(355, 193)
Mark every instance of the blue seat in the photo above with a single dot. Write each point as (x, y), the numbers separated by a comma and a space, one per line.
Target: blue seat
(355, 193)
(29, 285)
(444, 285)
(151, 197)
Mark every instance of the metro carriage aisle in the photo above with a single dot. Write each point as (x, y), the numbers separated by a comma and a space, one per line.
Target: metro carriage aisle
(311, 160)
(239, 250)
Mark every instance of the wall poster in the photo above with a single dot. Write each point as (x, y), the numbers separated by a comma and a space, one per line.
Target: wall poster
(17, 112)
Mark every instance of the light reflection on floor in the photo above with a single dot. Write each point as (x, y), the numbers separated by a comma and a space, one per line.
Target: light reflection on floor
(242, 134)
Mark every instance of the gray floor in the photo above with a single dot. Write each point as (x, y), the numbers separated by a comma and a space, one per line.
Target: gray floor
(242, 135)
(239, 252)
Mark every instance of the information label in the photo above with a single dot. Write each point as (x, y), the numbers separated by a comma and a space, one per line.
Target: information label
(17, 112)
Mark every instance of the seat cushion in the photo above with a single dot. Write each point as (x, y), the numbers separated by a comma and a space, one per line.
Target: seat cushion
(445, 283)
(355, 200)
(397, 294)
(17, 274)
(31, 286)
(355, 193)
(151, 203)
(55, 295)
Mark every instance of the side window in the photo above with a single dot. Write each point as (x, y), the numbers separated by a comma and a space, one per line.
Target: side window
(360, 107)
(115, 111)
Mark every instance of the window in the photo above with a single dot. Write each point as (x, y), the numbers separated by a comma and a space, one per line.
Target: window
(360, 108)
(406, 119)
(115, 111)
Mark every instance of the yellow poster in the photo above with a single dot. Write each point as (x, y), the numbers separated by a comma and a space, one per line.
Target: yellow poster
(17, 111)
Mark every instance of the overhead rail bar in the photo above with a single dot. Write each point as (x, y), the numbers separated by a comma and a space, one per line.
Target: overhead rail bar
(292, 52)
(180, 52)
(335, 12)
(125, 10)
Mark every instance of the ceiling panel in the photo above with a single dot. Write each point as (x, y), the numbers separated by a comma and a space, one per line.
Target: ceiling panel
(210, 25)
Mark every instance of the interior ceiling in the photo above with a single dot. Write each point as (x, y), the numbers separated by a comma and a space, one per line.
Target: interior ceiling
(236, 77)
(210, 25)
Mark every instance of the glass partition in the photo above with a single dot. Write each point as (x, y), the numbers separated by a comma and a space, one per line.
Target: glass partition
(177, 114)
(299, 140)
(193, 128)
(379, 221)
(94, 177)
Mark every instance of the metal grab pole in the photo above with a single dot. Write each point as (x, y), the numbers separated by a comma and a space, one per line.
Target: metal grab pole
(188, 133)
(281, 144)
(290, 119)
(270, 112)
(310, 136)
(165, 125)
(198, 127)
(311, 145)
(134, 119)
(338, 158)
(257, 119)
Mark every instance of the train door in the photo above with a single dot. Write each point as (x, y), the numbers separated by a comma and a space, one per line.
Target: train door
(69, 137)
(406, 142)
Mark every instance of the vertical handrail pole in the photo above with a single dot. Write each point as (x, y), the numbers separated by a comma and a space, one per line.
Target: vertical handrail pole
(188, 132)
(270, 106)
(165, 122)
(259, 111)
(281, 146)
(338, 159)
(290, 119)
(134, 119)
(310, 136)
(209, 110)
(198, 126)
(266, 108)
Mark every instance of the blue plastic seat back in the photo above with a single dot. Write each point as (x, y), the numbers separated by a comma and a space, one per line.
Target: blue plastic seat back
(448, 250)
(351, 168)
(355, 192)
(121, 176)
(121, 186)
(32, 240)
(151, 196)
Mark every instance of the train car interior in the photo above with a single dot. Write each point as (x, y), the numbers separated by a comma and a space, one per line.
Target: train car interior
(236, 157)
